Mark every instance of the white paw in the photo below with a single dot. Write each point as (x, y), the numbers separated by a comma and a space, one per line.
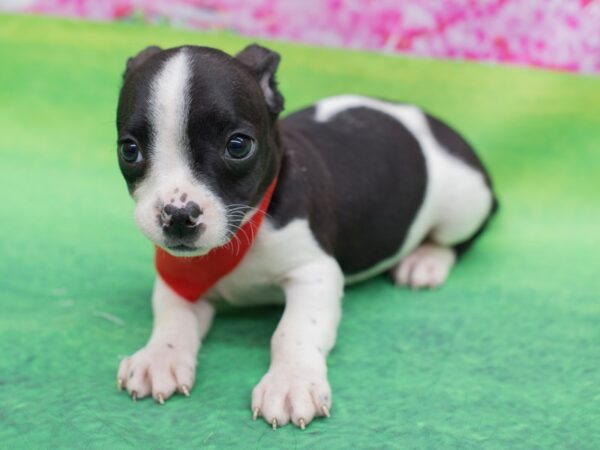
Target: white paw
(427, 266)
(291, 393)
(159, 369)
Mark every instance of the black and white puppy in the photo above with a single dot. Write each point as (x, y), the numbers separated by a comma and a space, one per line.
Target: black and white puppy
(364, 186)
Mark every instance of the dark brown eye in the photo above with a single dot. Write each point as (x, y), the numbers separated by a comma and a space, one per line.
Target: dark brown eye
(239, 146)
(130, 152)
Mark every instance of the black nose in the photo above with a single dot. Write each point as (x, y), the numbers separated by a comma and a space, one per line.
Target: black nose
(183, 222)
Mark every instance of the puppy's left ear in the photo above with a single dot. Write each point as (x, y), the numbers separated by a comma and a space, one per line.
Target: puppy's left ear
(136, 61)
(263, 63)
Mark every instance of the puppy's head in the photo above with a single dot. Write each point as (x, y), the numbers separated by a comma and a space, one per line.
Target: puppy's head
(197, 142)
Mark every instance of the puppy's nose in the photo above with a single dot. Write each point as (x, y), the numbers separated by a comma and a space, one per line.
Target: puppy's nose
(181, 222)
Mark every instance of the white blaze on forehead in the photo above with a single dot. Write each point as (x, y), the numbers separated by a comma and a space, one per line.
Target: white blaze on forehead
(170, 179)
(169, 105)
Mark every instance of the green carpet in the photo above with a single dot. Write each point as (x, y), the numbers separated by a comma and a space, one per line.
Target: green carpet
(506, 355)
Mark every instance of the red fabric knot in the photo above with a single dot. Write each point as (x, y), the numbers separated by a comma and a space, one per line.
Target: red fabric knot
(192, 277)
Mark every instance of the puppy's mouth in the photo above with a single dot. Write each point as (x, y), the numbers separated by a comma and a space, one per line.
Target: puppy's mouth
(182, 248)
(185, 250)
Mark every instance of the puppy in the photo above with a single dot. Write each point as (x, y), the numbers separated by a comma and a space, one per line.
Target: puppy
(247, 208)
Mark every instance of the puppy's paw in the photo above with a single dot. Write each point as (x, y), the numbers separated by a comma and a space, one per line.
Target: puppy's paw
(158, 369)
(289, 393)
(426, 267)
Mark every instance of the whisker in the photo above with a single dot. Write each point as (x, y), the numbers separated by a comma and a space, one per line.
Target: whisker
(237, 212)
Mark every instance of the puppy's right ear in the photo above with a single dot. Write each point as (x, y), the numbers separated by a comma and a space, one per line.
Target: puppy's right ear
(136, 61)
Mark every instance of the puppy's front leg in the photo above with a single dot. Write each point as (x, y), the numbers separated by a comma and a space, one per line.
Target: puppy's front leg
(168, 361)
(296, 386)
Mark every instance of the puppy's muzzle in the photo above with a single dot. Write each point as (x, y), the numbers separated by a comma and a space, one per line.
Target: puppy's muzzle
(182, 225)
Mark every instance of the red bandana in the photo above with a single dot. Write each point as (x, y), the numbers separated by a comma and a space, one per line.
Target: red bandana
(193, 277)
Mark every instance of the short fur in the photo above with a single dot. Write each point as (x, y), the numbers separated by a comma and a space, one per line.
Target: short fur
(364, 186)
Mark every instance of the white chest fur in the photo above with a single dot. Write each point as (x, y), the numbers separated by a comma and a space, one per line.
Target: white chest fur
(275, 253)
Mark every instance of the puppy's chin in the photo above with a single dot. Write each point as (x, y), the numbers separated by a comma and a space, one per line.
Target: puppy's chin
(184, 251)
(188, 250)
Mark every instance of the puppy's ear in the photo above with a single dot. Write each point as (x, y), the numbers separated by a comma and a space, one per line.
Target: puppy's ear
(136, 61)
(263, 64)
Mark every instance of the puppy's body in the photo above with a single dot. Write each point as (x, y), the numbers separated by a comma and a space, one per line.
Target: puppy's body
(363, 186)
(365, 181)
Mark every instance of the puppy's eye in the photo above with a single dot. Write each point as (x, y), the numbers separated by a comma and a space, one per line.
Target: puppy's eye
(239, 146)
(130, 152)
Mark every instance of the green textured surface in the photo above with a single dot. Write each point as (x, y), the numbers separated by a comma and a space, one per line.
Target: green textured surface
(506, 355)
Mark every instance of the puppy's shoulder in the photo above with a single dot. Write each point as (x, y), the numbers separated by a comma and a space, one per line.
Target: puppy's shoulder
(304, 189)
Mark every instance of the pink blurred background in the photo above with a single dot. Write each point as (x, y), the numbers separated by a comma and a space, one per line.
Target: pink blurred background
(553, 34)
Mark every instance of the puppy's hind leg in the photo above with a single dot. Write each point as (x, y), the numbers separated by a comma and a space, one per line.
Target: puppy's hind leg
(427, 266)
(462, 210)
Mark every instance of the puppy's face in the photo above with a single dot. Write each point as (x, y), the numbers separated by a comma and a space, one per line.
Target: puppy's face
(197, 142)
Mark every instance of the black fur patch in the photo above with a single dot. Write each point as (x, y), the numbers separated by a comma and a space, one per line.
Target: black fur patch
(360, 178)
